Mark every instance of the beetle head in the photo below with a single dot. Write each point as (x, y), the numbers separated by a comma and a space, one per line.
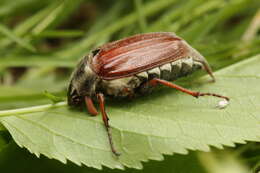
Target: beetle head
(83, 83)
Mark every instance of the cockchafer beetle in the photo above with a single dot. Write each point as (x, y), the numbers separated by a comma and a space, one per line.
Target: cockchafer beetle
(131, 67)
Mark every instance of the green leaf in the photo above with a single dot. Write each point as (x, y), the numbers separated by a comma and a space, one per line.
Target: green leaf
(149, 9)
(36, 61)
(52, 97)
(25, 162)
(2, 143)
(4, 140)
(24, 27)
(4, 30)
(141, 17)
(61, 34)
(164, 122)
(224, 162)
(2, 128)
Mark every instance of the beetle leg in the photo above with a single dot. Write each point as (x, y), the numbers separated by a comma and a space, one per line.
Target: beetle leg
(90, 106)
(105, 120)
(155, 81)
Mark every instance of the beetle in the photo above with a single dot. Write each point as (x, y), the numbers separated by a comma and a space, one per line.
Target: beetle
(133, 66)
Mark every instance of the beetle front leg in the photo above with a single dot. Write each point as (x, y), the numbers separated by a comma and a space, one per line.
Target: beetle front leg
(90, 106)
(105, 120)
(156, 81)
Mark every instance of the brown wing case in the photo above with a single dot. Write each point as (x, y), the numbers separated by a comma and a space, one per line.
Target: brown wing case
(136, 54)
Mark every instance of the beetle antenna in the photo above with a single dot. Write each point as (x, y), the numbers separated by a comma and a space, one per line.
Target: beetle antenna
(105, 120)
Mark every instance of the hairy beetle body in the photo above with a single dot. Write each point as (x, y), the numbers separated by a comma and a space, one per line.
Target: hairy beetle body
(121, 68)
(132, 66)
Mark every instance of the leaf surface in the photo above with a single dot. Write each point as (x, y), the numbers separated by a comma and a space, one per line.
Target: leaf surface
(144, 128)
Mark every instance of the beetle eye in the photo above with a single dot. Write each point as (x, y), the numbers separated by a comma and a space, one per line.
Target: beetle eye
(95, 52)
(75, 99)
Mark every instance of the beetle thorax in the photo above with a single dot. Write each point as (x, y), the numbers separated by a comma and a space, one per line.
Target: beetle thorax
(83, 83)
(86, 82)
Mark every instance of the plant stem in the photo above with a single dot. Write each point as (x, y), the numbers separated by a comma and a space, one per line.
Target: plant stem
(32, 109)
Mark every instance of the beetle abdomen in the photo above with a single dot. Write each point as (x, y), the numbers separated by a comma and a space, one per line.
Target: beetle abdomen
(125, 87)
(171, 71)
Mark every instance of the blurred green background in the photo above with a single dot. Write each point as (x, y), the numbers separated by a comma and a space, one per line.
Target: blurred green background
(41, 42)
